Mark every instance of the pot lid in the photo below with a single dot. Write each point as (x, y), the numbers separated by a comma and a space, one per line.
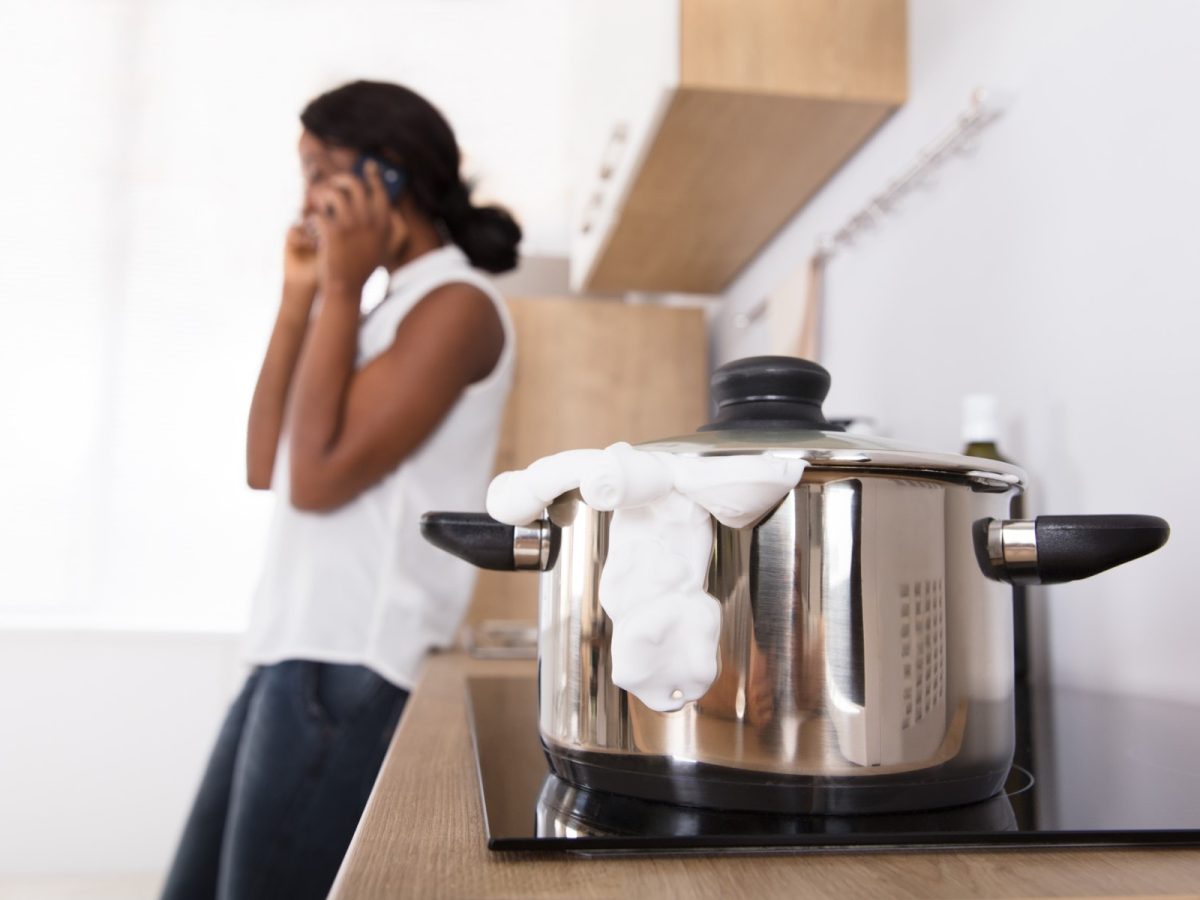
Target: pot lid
(772, 404)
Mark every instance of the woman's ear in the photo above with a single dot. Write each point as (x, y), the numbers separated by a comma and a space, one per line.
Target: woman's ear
(397, 234)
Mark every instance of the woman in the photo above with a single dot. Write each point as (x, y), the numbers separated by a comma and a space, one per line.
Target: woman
(359, 424)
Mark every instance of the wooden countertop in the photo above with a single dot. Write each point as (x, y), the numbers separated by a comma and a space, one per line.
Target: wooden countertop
(422, 836)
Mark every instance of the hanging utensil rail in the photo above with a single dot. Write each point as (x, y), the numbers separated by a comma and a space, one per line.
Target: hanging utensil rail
(984, 108)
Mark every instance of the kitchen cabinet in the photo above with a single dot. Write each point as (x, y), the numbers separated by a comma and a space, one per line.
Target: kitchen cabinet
(589, 373)
(700, 127)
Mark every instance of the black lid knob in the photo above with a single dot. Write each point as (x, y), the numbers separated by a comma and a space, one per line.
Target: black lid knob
(770, 392)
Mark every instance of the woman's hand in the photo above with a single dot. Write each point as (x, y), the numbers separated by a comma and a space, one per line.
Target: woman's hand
(353, 229)
(300, 256)
(300, 268)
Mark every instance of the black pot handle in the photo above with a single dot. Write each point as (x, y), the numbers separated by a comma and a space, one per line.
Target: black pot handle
(1057, 549)
(489, 544)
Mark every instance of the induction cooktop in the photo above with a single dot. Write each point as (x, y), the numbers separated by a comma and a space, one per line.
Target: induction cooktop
(1090, 770)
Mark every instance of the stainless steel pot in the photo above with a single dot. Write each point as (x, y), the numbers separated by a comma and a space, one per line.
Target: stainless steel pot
(866, 647)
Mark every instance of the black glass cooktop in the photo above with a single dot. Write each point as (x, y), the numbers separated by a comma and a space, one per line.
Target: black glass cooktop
(1090, 770)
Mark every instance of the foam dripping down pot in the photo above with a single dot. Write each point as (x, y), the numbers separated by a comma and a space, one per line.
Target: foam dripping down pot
(773, 615)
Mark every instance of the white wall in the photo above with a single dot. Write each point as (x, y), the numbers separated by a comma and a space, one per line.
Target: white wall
(105, 736)
(1055, 267)
(140, 261)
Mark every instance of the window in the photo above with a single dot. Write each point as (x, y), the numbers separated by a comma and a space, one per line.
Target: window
(149, 155)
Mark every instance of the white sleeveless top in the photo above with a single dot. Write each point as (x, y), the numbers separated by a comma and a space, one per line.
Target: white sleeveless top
(359, 584)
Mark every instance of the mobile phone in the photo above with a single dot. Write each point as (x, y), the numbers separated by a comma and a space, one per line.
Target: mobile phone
(393, 178)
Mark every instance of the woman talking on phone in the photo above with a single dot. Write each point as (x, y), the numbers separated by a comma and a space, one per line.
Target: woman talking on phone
(359, 424)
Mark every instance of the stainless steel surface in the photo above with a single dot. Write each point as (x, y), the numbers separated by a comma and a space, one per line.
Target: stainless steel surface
(531, 546)
(838, 450)
(859, 640)
(565, 812)
(1012, 549)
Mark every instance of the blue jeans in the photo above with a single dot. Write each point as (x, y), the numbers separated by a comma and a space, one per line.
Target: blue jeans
(287, 781)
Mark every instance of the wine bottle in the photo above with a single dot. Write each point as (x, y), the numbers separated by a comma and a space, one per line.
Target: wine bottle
(980, 433)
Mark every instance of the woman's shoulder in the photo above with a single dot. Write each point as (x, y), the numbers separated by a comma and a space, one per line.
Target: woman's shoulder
(459, 314)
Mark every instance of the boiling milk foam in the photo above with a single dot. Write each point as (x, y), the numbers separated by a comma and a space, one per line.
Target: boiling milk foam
(666, 627)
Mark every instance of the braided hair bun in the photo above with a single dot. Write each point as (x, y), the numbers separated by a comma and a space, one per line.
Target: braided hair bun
(487, 234)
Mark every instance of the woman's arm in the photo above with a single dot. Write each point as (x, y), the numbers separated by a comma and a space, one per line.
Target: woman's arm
(279, 364)
(348, 428)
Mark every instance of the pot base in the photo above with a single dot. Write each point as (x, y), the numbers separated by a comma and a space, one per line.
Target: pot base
(665, 780)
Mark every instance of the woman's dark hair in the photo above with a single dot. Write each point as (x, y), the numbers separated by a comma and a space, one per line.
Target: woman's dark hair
(394, 123)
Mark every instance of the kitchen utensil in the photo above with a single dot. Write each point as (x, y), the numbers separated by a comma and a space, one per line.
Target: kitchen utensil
(865, 654)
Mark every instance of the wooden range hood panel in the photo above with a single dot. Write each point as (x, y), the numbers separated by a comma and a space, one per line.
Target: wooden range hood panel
(724, 173)
(772, 97)
(840, 49)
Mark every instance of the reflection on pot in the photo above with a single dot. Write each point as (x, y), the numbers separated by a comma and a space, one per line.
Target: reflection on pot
(865, 662)
(567, 811)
